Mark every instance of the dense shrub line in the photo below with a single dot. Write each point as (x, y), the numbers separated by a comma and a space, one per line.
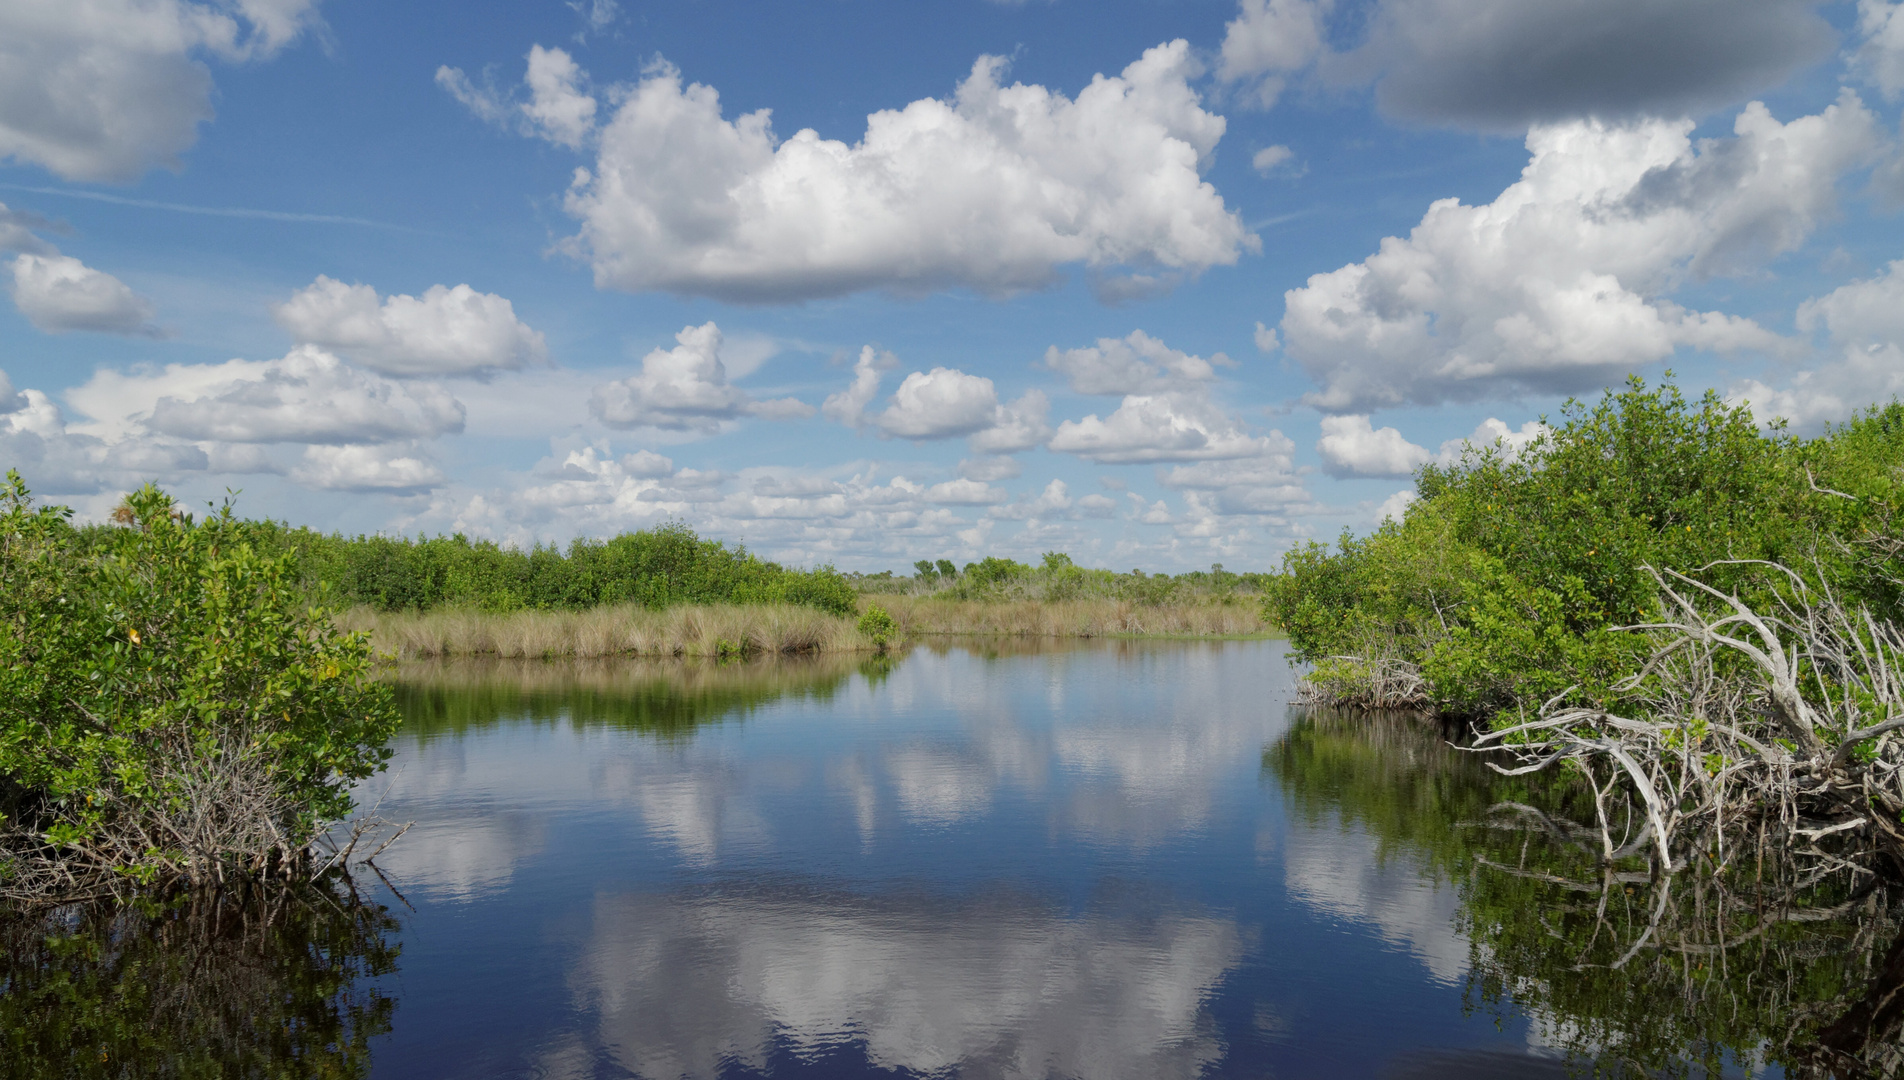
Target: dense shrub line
(655, 568)
(1058, 579)
(1508, 579)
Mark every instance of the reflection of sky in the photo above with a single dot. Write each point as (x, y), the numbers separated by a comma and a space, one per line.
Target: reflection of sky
(1003, 985)
(1068, 864)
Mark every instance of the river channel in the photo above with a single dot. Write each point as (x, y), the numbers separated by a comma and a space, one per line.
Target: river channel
(1115, 860)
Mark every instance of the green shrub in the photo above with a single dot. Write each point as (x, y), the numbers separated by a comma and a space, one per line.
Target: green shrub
(879, 627)
(171, 702)
(1505, 579)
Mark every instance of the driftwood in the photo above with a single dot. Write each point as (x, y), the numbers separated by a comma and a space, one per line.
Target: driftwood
(1786, 724)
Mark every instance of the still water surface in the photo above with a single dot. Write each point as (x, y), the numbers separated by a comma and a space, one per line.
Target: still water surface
(1095, 860)
(1028, 862)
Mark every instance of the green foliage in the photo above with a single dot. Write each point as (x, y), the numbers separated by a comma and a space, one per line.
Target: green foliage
(1505, 579)
(879, 627)
(140, 664)
(655, 568)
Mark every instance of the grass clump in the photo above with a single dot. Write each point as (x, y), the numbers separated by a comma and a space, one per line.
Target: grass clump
(172, 706)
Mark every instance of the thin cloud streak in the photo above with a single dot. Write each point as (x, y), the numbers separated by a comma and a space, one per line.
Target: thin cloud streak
(219, 211)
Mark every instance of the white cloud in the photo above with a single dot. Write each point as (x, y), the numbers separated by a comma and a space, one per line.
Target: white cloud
(106, 89)
(395, 470)
(1395, 506)
(1351, 446)
(1016, 425)
(993, 190)
(1270, 158)
(58, 293)
(1863, 323)
(1132, 365)
(1148, 427)
(11, 400)
(1558, 284)
(1265, 339)
(943, 403)
(447, 331)
(1504, 64)
(1267, 41)
(849, 405)
(308, 396)
(1882, 55)
(1491, 434)
(684, 389)
(1262, 484)
(552, 104)
(946, 403)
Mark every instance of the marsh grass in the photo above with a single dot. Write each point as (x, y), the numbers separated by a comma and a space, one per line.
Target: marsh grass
(619, 630)
(774, 629)
(925, 616)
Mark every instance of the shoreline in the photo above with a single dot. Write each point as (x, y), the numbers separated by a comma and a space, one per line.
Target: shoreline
(737, 630)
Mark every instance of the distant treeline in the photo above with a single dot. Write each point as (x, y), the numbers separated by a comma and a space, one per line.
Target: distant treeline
(654, 568)
(1057, 578)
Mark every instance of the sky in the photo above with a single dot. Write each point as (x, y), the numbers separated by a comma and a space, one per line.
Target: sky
(1156, 283)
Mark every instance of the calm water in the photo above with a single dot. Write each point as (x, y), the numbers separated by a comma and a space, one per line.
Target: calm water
(1122, 860)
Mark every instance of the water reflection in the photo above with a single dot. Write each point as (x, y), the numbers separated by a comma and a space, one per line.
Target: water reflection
(197, 986)
(997, 984)
(1615, 968)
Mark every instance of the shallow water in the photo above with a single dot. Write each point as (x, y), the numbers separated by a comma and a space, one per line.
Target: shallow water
(1104, 860)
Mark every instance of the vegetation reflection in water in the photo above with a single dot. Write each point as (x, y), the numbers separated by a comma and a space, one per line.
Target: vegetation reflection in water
(1624, 970)
(201, 984)
(662, 697)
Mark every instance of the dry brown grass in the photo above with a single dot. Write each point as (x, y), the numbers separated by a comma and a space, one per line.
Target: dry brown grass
(777, 629)
(607, 631)
(922, 616)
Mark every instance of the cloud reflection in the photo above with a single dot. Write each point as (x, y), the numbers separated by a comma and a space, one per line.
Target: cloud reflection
(997, 985)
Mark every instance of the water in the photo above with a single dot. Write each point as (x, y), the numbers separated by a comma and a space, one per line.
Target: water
(1105, 860)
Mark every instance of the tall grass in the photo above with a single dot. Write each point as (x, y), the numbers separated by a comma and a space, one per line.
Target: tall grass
(921, 616)
(616, 630)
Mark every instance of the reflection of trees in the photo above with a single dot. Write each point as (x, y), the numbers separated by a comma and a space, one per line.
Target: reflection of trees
(662, 697)
(197, 986)
(1618, 965)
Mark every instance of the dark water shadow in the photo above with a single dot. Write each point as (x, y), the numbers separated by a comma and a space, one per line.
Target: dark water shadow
(1619, 969)
(280, 984)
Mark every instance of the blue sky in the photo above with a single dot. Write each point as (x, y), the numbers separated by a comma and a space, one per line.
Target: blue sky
(1158, 284)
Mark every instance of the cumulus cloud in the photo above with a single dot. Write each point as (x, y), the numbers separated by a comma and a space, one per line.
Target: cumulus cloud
(58, 293)
(1268, 41)
(1351, 446)
(554, 104)
(991, 469)
(1156, 428)
(1263, 484)
(1558, 283)
(392, 470)
(849, 405)
(1491, 434)
(992, 190)
(1395, 506)
(106, 89)
(1135, 364)
(446, 331)
(684, 389)
(1881, 57)
(307, 396)
(944, 403)
(1863, 362)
